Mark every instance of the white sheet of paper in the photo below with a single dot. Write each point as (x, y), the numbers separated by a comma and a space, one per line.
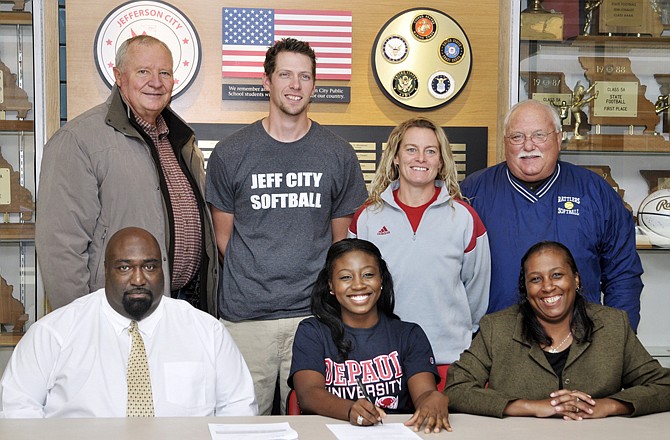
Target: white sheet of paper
(387, 431)
(255, 431)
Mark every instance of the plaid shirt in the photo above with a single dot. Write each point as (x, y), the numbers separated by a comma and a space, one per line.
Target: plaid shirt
(187, 222)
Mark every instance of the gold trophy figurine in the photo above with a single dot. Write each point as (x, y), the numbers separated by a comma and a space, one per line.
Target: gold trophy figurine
(535, 7)
(662, 103)
(662, 106)
(579, 100)
(589, 7)
(563, 113)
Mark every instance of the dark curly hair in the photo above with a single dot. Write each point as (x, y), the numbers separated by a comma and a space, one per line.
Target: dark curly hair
(325, 306)
(287, 45)
(580, 323)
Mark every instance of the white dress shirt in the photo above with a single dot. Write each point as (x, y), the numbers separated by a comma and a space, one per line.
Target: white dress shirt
(72, 363)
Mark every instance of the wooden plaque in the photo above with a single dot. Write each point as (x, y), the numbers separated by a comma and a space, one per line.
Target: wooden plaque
(14, 198)
(12, 311)
(656, 179)
(605, 172)
(541, 26)
(545, 82)
(629, 17)
(13, 97)
(619, 90)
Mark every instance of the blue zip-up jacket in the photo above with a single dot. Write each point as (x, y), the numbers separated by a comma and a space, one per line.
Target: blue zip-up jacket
(574, 206)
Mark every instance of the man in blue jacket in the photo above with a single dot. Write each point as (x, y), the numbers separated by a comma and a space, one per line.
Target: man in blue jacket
(533, 196)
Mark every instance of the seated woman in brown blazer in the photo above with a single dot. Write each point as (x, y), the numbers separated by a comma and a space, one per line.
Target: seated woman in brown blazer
(554, 354)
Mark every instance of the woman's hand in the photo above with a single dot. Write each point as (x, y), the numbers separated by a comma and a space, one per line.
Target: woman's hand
(432, 408)
(569, 404)
(573, 405)
(364, 413)
(577, 405)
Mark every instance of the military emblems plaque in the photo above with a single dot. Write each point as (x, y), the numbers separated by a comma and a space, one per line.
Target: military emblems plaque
(421, 59)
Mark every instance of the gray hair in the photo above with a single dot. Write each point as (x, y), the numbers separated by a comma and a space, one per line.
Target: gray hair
(145, 40)
(539, 106)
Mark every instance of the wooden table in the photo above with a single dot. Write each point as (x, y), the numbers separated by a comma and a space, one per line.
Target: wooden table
(656, 426)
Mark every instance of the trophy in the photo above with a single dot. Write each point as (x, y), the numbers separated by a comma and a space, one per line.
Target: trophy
(661, 105)
(563, 113)
(535, 8)
(589, 9)
(639, 17)
(664, 5)
(539, 24)
(580, 97)
(616, 100)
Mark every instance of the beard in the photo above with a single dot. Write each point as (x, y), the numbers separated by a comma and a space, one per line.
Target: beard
(137, 307)
(291, 110)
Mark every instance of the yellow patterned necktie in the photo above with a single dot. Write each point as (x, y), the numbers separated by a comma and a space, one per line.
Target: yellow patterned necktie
(140, 398)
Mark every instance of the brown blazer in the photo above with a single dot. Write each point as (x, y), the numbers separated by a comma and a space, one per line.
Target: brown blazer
(614, 364)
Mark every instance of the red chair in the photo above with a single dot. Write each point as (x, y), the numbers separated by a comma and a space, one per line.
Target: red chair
(442, 371)
(292, 406)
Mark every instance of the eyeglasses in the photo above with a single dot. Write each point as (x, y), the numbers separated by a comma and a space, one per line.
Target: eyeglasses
(539, 137)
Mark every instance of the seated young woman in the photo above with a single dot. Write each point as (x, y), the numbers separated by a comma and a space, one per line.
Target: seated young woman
(555, 355)
(355, 360)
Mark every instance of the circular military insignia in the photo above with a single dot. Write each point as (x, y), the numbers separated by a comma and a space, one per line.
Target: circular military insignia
(155, 18)
(451, 50)
(424, 27)
(395, 49)
(405, 84)
(441, 85)
(421, 59)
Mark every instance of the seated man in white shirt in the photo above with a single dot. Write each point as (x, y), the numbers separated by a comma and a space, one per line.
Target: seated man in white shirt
(73, 362)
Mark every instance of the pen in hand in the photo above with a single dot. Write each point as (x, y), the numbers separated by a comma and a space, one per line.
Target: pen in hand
(365, 393)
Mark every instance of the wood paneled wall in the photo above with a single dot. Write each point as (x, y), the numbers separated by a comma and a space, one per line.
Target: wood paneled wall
(477, 105)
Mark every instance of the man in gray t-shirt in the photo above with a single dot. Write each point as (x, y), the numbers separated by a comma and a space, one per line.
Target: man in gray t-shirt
(280, 190)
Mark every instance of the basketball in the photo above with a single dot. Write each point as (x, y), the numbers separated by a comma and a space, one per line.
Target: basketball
(653, 216)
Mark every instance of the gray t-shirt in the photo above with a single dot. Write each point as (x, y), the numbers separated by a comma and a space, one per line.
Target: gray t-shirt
(283, 197)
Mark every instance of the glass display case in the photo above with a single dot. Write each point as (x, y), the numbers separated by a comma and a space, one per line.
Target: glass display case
(605, 67)
(17, 172)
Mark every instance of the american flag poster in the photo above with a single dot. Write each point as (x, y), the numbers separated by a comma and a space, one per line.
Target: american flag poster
(248, 32)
